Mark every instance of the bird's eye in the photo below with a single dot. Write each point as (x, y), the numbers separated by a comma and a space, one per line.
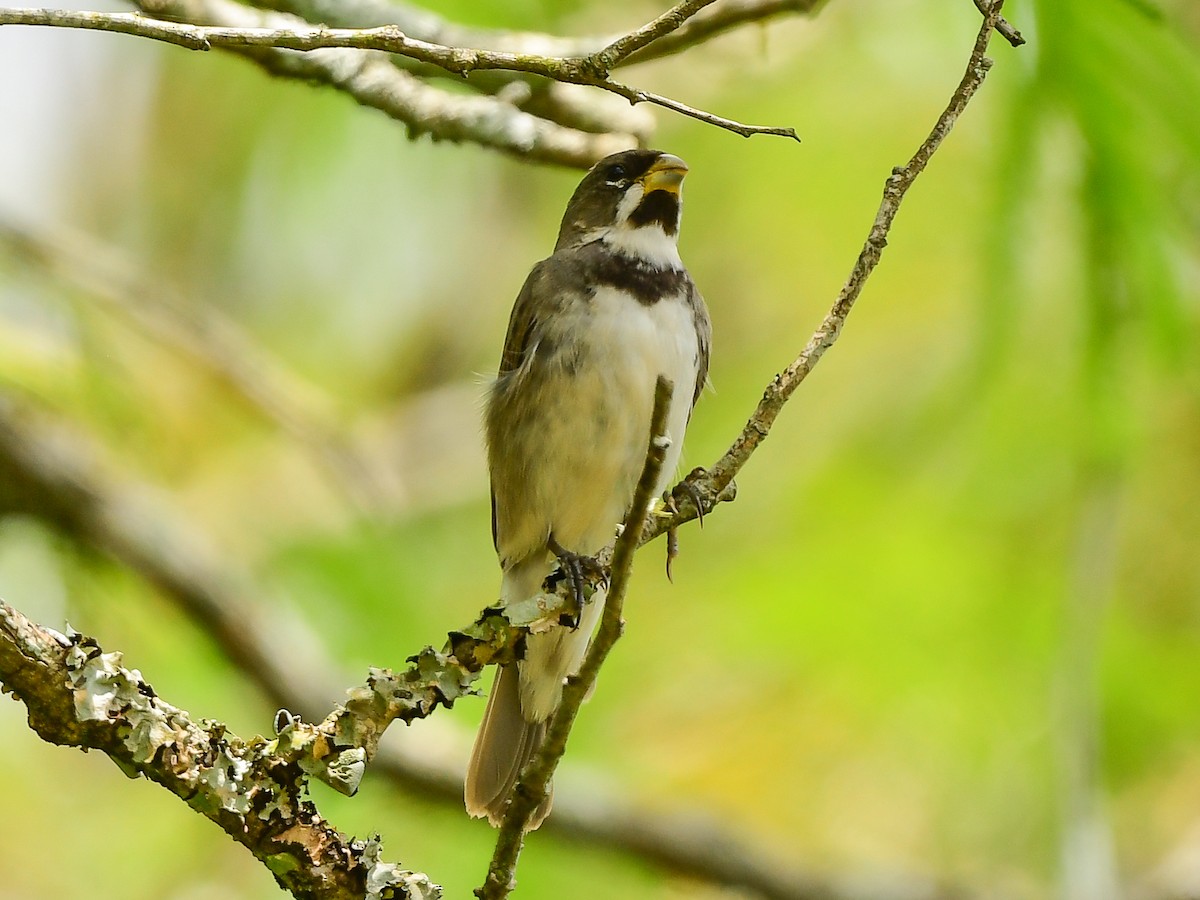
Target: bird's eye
(614, 173)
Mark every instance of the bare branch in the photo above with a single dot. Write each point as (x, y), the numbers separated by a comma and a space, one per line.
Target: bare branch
(427, 25)
(1006, 31)
(710, 485)
(80, 696)
(550, 99)
(637, 96)
(289, 34)
(715, 22)
(625, 46)
(531, 789)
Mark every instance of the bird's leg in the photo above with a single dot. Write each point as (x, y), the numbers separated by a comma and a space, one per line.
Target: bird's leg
(579, 569)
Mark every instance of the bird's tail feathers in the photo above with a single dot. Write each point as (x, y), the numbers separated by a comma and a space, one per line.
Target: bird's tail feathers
(523, 698)
(503, 746)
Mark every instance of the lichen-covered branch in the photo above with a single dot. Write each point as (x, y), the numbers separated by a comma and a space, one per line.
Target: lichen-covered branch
(54, 477)
(710, 485)
(534, 782)
(337, 749)
(371, 80)
(80, 696)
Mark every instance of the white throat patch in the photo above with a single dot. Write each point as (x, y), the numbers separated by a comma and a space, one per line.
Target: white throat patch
(648, 243)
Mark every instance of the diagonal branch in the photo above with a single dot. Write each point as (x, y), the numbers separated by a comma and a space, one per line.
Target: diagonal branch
(53, 479)
(710, 485)
(80, 696)
(1005, 30)
(603, 61)
(535, 780)
(710, 24)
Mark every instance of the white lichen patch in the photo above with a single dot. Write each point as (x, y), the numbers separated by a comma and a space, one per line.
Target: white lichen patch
(224, 781)
(105, 691)
(385, 880)
(344, 773)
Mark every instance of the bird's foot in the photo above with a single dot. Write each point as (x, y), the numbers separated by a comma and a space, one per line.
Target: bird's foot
(688, 489)
(580, 571)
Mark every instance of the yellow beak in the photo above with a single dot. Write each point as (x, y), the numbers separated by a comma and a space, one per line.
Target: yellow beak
(665, 175)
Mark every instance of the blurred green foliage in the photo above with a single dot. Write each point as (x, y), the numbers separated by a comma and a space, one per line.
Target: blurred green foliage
(868, 661)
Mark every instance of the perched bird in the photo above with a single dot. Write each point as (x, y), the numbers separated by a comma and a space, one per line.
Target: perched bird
(568, 421)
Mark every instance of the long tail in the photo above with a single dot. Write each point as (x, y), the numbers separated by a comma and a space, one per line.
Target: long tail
(504, 744)
(523, 699)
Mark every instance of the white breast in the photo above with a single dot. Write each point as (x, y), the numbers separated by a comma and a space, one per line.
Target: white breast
(645, 342)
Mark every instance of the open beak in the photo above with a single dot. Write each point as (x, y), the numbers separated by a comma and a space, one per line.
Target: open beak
(665, 175)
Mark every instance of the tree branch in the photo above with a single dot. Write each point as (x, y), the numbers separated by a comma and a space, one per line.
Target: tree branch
(603, 61)
(535, 780)
(566, 104)
(294, 35)
(418, 22)
(80, 696)
(51, 477)
(710, 485)
(1006, 31)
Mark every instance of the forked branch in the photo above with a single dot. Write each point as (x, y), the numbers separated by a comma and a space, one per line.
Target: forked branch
(591, 71)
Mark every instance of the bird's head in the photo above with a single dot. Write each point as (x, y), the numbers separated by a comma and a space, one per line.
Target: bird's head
(630, 200)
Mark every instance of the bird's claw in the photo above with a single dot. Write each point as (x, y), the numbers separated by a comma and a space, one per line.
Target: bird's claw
(688, 489)
(580, 570)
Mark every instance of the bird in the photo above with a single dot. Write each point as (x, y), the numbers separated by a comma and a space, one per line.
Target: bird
(567, 424)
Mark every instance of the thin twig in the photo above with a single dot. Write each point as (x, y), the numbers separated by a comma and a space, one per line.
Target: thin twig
(531, 789)
(1005, 30)
(603, 61)
(386, 38)
(715, 22)
(711, 485)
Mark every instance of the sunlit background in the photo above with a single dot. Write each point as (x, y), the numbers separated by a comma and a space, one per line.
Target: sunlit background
(950, 630)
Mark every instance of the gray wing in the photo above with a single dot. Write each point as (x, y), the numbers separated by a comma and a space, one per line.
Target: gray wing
(538, 298)
(703, 338)
(522, 321)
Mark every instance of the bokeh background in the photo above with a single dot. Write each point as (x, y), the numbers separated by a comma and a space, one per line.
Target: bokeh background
(950, 629)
